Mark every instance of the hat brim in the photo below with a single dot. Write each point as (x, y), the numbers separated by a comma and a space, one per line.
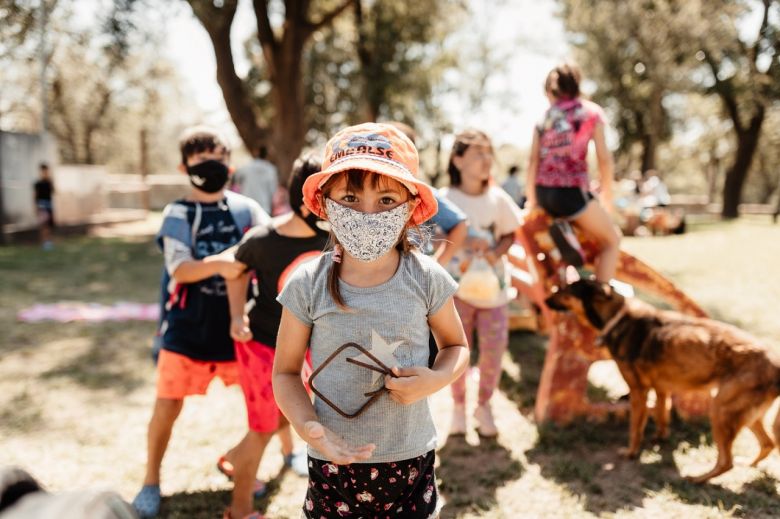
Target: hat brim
(423, 212)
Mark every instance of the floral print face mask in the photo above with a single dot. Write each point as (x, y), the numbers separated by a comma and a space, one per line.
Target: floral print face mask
(366, 236)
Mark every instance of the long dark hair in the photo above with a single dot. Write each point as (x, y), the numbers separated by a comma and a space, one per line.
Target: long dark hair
(356, 179)
(462, 142)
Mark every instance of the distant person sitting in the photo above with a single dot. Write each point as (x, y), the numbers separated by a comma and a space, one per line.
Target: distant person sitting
(513, 187)
(654, 191)
(44, 191)
(258, 179)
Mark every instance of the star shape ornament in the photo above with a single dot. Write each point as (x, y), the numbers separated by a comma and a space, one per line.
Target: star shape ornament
(382, 351)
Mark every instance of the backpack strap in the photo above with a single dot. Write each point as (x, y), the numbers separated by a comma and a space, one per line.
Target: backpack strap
(241, 209)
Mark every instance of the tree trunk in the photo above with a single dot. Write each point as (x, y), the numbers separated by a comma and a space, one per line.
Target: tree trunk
(747, 141)
(283, 54)
(238, 105)
(289, 131)
(648, 153)
(713, 172)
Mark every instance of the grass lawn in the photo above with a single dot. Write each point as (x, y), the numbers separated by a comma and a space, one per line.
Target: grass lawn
(75, 398)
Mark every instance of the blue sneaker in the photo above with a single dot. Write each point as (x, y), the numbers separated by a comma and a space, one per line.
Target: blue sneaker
(147, 502)
(298, 462)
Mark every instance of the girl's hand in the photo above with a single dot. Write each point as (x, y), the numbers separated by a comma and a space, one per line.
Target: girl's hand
(239, 328)
(412, 384)
(333, 446)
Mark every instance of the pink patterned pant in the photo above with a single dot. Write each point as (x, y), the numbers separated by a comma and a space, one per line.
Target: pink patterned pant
(492, 327)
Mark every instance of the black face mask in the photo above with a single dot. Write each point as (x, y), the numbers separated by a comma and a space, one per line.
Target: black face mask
(209, 176)
(312, 220)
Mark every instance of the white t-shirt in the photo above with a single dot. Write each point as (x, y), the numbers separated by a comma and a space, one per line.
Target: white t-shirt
(491, 215)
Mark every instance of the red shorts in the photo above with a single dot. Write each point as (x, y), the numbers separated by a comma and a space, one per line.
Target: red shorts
(179, 376)
(255, 363)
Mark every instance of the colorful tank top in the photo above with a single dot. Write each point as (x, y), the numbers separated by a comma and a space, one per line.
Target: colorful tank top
(564, 134)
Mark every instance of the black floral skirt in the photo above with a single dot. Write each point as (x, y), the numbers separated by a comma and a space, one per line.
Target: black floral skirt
(404, 488)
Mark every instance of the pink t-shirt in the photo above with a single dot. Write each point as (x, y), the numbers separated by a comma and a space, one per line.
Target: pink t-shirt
(564, 134)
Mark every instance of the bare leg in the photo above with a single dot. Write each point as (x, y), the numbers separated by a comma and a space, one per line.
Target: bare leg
(160, 426)
(246, 460)
(596, 222)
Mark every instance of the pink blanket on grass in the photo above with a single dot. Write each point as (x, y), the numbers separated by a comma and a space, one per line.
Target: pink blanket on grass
(70, 311)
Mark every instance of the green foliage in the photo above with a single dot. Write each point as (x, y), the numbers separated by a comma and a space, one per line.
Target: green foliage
(624, 47)
(380, 63)
(19, 18)
(649, 57)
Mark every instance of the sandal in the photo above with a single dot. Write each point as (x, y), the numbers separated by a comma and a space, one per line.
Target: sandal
(225, 467)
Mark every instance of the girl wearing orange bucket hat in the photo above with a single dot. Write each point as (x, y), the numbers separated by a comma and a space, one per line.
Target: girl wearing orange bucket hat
(365, 309)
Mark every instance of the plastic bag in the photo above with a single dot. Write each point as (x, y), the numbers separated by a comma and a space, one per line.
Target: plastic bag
(479, 283)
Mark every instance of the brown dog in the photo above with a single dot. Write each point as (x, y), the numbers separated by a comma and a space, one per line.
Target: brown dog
(668, 352)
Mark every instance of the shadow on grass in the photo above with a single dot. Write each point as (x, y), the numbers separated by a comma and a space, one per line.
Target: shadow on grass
(111, 361)
(202, 504)
(211, 504)
(584, 457)
(528, 350)
(21, 414)
(753, 501)
(471, 474)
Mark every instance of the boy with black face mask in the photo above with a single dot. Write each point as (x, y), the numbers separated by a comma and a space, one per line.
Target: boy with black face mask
(196, 343)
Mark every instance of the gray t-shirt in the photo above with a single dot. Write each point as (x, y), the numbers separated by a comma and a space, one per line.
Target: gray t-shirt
(391, 321)
(258, 180)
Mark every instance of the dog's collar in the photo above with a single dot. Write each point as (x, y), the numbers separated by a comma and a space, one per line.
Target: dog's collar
(610, 324)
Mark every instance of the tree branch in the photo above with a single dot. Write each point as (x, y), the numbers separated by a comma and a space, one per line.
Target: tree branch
(725, 91)
(328, 18)
(217, 22)
(265, 33)
(755, 51)
(264, 30)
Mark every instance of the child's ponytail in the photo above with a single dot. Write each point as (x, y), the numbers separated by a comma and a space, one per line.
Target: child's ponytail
(333, 276)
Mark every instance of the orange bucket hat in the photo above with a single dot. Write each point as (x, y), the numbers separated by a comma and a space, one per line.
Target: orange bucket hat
(377, 148)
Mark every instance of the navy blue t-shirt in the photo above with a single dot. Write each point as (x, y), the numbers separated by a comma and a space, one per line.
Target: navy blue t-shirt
(198, 321)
